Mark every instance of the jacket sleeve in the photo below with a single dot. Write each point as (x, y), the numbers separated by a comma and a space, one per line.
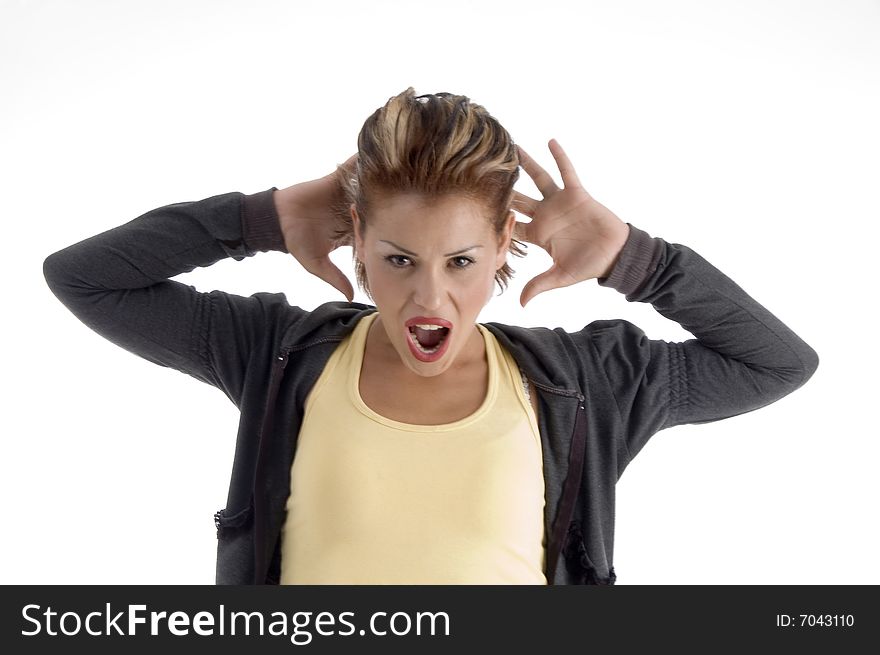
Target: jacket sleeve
(743, 357)
(117, 283)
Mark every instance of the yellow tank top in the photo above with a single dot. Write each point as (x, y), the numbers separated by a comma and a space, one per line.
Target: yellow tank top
(377, 501)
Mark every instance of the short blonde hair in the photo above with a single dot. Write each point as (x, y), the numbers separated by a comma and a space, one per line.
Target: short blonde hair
(435, 145)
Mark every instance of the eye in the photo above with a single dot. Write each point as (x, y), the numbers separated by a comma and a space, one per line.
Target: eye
(462, 262)
(394, 260)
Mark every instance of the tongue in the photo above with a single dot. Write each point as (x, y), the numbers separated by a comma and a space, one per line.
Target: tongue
(430, 338)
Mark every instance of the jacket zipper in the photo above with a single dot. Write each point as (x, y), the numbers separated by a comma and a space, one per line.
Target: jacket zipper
(260, 564)
(573, 480)
(570, 488)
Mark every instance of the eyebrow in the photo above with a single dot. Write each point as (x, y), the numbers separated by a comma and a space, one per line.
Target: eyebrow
(449, 254)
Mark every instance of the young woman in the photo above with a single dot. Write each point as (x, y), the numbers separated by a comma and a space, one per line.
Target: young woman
(403, 442)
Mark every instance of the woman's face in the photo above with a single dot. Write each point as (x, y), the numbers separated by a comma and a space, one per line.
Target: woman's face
(431, 267)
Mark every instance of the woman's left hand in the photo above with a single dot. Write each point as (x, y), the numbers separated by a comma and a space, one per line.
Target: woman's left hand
(583, 237)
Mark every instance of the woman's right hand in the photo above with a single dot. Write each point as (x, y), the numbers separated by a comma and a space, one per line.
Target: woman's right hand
(309, 219)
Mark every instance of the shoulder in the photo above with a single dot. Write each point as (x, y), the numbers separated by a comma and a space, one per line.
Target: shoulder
(328, 321)
(600, 334)
(563, 359)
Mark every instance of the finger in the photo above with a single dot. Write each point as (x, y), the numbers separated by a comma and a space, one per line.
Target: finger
(539, 176)
(552, 278)
(523, 232)
(330, 273)
(566, 168)
(349, 166)
(524, 204)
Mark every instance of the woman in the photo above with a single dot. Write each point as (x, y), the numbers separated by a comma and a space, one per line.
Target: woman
(403, 442)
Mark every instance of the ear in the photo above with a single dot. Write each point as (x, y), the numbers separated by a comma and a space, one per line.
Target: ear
(358, 237)
(504, 240)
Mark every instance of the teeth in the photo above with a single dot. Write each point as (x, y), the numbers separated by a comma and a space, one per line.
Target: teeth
(428, 327)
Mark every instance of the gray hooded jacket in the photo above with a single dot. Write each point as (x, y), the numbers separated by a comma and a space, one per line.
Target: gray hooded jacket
(603, 391)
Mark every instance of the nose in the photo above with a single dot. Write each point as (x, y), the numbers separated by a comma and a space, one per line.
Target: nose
(429, 289)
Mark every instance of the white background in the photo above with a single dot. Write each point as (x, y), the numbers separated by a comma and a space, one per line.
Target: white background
(745, 130)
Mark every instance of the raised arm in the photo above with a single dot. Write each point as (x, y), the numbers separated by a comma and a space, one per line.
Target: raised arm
(743, 356)
(117, 282)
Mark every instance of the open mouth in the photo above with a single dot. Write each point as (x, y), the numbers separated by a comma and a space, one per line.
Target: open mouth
(428, 338)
